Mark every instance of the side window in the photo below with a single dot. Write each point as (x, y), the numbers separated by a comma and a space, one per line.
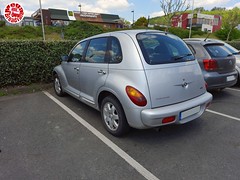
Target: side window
(96, 50)
(77, 53)
(199, 52)
(115, 51)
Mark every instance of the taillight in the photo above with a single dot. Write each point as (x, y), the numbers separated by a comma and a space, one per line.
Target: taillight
(206, 85)
(210, 64)
(136, 96)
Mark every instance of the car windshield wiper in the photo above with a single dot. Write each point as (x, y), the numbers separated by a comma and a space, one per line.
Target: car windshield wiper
(236, 53)
(181, 57)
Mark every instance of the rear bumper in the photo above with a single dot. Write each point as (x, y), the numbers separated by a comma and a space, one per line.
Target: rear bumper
(217, 81)
(154, 117)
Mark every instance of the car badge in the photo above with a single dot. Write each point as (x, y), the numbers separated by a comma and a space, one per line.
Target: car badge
(184, 84)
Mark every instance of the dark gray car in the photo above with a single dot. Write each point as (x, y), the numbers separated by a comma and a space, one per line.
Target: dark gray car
(217, 63)
(236, 53)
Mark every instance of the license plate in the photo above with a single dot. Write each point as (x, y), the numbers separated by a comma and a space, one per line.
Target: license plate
(230, 78)
(189, 112)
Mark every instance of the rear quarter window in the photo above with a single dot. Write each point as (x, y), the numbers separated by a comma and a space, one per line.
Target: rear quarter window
(198, 50)
(160, 48)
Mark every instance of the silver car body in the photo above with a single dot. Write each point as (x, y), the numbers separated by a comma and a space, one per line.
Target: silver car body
(176, 89)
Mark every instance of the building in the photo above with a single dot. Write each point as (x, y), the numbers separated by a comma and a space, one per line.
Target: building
(111, 21)
(205, 22)
(61, 17)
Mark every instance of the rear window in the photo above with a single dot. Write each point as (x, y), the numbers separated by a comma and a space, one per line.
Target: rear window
(160, 48)
(216, 50)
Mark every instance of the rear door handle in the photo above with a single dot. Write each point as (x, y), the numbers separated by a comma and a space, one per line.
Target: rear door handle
(76, 68)
(101, 72)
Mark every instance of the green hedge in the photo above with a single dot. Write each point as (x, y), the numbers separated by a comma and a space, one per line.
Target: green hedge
(235, 44)
(26, 62)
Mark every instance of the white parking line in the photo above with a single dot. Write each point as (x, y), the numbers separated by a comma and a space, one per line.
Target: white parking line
(232, 89)
(143, 171)
(225, 115)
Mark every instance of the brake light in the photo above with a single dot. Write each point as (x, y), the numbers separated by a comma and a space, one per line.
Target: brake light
(136, 96)
(168, 119)
(210, 64)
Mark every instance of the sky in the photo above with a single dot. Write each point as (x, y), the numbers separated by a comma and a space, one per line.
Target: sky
(123, 8)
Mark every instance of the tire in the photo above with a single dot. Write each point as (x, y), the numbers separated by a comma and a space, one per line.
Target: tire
(57, 86)
(113, 117)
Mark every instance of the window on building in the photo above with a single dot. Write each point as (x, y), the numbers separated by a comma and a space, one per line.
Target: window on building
(215, 21)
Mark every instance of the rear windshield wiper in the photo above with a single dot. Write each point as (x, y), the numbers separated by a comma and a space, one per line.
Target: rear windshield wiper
(236, 53)
(181, 57)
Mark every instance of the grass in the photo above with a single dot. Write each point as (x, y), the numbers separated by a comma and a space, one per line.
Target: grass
(17, 90)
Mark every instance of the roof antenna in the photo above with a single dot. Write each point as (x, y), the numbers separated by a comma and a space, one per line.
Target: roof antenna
(207, 36)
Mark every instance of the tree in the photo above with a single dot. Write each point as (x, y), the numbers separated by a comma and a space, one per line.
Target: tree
(199, 9)
(218, 9)
(231, 19)
(172, 7)
(142, 21)
(125, 22)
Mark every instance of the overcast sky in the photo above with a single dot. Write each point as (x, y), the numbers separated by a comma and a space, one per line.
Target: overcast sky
(122, 8)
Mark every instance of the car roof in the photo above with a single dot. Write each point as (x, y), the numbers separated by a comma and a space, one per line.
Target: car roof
(131, 33)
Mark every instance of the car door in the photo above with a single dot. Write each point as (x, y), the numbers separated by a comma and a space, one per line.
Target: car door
(93, 69)
(71, 68)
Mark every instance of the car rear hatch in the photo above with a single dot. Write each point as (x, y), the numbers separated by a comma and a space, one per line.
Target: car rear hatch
(225, 60)
(171, 84)
(172, 73)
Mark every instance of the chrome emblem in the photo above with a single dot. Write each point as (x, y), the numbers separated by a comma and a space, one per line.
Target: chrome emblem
(184, 84)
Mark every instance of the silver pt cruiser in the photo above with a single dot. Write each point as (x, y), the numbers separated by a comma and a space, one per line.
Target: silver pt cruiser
(135, 78)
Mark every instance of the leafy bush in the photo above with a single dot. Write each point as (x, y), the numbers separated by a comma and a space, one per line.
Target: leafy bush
(235, 44)
(26, 62)
(2, 23)
(81, 30)
(222, 34)
(182, 33)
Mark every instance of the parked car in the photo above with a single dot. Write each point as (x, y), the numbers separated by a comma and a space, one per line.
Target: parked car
(234, 52)
(216, 61)
(135, 78)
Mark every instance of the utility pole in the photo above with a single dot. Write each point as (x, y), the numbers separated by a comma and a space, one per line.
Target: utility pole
(43, 30)
(190, 28)
(133, 17)
(80, 6)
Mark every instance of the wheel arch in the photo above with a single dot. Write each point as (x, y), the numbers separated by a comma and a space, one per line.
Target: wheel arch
(59, 71)
(104, 94)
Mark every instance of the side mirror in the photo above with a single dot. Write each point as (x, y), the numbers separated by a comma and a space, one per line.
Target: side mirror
(65, 58)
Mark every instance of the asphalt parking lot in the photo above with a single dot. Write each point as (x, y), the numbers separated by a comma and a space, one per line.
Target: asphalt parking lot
(46, 137)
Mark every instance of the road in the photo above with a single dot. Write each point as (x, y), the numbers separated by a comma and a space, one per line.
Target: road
(41, 140)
